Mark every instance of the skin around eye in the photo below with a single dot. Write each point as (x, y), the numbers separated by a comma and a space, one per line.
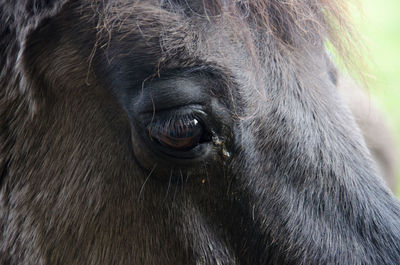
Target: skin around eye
(180, 134)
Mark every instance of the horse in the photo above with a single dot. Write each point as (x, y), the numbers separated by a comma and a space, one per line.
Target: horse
(375, 128)
(183, 132)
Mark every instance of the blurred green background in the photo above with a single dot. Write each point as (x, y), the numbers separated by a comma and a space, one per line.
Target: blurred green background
(379, 23)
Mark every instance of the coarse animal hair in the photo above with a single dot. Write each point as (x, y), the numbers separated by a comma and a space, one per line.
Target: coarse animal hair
(183, 132)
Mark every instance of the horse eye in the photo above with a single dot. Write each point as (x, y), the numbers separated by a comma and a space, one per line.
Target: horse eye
(180, 134)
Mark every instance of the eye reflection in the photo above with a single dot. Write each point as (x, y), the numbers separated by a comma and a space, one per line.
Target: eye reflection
(181, 134)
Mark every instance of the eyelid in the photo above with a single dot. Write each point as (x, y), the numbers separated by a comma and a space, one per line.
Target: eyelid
(161, 95)
(191, 111)
(160, 119)
(178, 133)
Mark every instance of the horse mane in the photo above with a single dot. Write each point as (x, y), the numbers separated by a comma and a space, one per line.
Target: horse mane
(290, 18)
(295, 25)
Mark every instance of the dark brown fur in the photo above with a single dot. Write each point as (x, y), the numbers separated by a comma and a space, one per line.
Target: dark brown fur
(287, 178)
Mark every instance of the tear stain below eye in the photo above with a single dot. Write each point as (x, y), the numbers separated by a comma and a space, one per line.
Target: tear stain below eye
(221, 144)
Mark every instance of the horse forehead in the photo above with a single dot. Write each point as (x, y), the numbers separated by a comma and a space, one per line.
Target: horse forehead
(225, 42)
(169, 21)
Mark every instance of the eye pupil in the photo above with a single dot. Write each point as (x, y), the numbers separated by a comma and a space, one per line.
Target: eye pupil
(178, 134)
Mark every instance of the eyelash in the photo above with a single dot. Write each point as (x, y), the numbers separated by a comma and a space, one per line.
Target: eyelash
(181, 133)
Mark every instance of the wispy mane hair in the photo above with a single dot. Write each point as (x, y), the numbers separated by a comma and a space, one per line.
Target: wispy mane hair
(293, 24)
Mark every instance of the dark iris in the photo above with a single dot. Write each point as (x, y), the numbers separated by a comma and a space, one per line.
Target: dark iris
(180, 134)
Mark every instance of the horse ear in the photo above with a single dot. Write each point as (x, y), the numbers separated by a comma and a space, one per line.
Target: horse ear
(27, 15)
(23, 17)
(332, 70)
